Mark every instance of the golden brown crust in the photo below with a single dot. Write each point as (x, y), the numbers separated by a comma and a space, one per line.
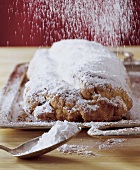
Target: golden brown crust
(101, 104)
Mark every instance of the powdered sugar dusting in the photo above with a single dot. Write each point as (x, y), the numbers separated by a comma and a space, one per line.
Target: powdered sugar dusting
(110, 143)
(78, 149)
(67, 67)
(67, 58)
(46, 109)
(9, 94)
(76, 56)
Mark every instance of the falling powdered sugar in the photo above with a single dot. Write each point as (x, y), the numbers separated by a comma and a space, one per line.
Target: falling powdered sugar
(106, 21)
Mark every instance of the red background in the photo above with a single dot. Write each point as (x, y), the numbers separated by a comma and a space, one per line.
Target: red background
(15, 30)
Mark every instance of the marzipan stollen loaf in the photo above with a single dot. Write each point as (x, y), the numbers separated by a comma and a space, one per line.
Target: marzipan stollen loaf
(77, 80)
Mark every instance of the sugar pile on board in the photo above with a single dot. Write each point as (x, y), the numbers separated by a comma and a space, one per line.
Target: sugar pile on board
(110, 143)
(78, 149)
(59, 132)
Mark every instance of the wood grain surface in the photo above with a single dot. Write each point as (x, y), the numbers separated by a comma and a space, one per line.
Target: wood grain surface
(120, 156)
